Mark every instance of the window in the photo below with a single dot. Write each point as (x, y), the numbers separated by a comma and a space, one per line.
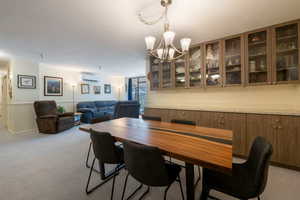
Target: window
(139, 90)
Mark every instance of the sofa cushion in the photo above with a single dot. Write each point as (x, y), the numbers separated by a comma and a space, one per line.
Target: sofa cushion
(104, 103)
(89, 104)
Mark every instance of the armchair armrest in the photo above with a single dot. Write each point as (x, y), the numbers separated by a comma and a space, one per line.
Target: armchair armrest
(67, 114)
(48, 116)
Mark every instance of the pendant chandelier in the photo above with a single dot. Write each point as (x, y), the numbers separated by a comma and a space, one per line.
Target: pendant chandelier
(165, 51)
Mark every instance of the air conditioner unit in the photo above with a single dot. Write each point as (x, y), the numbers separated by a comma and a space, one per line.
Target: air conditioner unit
(89, 77)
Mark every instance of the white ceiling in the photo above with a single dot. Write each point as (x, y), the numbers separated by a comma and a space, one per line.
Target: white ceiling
(108, 33)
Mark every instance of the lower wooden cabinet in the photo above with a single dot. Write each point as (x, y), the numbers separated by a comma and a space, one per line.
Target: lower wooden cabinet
(287, 149)
(282, 131)
(260, 125)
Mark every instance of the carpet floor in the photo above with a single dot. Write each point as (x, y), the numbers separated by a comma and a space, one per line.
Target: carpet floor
(51, 167)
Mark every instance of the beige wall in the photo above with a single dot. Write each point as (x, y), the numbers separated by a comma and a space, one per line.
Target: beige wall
(21, 116)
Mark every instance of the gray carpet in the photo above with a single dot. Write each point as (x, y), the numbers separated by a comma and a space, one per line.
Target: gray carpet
(51, 167)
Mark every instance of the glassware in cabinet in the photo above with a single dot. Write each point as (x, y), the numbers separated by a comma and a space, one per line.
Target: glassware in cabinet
(212, 64)
(286, 53)
(195, 67)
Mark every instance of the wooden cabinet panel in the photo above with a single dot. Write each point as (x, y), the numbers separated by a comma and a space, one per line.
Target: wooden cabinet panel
(230, 121)
(260, 125)
(182, 115)
(287, 149)
(157, 112)
(237, 123)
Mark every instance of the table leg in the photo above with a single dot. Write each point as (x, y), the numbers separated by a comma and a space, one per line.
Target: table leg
(189, 175)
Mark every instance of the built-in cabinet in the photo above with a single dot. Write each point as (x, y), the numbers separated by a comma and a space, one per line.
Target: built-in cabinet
(282, 131)
(269, 55)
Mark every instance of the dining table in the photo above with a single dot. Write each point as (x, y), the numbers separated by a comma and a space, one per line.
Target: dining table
(194, 145)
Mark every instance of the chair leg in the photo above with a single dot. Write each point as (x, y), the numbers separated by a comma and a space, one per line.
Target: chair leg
(199, 176)
(166, 191)
(133, 193)
(89, 191)
(205, 192)
(144, 194)
(113, 186)
(88, 156)
(180, 185)
(124, 187)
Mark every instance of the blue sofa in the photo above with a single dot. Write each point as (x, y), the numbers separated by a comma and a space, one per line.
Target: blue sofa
(96, 109)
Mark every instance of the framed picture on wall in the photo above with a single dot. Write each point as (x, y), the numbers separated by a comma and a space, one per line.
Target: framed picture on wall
(107, 89)
(85, 88)
(26, 82)
(53, 86)
(97, 89)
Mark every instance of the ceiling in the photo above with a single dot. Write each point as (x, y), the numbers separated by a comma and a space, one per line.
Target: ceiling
(106, 33)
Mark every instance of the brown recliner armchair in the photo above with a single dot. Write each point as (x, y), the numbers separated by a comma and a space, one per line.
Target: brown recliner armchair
(49, 120)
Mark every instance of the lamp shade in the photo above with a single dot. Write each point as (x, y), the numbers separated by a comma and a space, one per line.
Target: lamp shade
(160, 53)
(185, 44)
(171, 53)
(169, 37)
(150, 41)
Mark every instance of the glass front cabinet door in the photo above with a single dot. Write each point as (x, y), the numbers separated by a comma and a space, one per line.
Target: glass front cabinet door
(166, 71)
(195, 67)
(258, 57)
(213, 69)
(180, 72)
(286, 53)
(155, 73)
(233, 61)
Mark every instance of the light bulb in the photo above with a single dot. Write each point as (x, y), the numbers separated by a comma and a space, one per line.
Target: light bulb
(160, 53)
(185, 44)
(169, 37)
(171, 53)
(150, 41)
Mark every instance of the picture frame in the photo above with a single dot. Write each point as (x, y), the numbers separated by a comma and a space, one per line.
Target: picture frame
(53, 86)
(107, 88)
(97, 89)
(85, 88)
(26, 82)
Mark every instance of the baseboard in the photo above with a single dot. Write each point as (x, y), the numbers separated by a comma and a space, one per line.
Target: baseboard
(23, 131)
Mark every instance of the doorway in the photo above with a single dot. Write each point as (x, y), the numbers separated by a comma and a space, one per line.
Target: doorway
(3, 94)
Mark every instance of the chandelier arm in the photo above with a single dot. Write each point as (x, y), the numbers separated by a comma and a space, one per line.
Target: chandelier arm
(177, 50)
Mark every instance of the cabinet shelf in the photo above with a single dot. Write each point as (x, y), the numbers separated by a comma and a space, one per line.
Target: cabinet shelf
(257, 43)
(287, 37)
(257, 55)
(287, 51)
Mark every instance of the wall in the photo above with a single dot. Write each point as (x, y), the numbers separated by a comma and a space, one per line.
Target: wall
(277, 99)
(21, 116)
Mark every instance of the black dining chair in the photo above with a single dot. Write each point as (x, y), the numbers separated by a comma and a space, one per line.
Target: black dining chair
(147, 165)
(187, 122)
(106, 152)
(105, 118)
(248, 180)
(151, 118)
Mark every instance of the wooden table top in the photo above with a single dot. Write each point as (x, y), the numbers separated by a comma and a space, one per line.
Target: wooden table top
(208, 147)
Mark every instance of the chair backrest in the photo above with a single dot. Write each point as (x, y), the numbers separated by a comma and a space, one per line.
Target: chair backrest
(258, 162)
(127, 109)
(180, 121)
(151, 118)
(104, 147)
(145, 164)
(45, 108)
